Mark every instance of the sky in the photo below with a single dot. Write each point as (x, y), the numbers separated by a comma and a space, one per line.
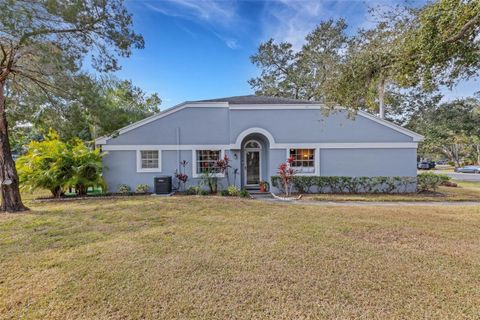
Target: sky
(200, 49)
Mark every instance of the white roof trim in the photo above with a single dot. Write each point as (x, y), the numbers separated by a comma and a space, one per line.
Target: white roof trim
(324, 145)
(103, 140)
(275, 106)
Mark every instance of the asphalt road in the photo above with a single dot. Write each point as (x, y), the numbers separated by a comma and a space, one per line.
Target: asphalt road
(460, 176)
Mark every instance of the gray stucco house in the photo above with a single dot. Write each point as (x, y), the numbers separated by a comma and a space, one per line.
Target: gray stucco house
(257, 134)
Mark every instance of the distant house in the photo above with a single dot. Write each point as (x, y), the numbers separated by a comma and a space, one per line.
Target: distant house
(257, 134)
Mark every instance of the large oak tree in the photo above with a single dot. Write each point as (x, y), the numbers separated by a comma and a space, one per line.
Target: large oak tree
(442, 45)
(301, 74)
(42, 45)
(427, 47)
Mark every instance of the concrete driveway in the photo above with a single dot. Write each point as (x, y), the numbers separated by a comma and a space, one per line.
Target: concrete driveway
(460, 176)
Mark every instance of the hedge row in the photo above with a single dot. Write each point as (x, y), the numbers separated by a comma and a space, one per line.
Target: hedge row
(336, 184)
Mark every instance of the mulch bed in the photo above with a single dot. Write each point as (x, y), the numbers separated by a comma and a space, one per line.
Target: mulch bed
(93, 196)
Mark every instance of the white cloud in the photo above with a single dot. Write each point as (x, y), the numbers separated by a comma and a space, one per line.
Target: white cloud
(207, 10)
(282, 20)
(220, 17)
(292, 20)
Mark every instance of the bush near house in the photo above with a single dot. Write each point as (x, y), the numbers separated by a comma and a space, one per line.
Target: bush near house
(123, 188)
(142, 188)
(426, 181)
(196, 190)
(233, 191)
(244, 193)
(338, 184)
(56, 165)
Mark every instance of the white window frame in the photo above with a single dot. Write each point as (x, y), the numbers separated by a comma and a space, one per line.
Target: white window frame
(194, 161)
(139, 160)
(316, 161)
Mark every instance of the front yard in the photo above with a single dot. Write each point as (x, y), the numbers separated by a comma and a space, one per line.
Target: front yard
(227, 258)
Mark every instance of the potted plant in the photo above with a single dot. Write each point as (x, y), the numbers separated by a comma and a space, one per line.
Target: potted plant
(264, 186)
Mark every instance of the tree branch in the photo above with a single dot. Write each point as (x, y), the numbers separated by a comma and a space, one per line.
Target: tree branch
(4, 55)
(8, 68)
(38, 82)
(464, 30)
(89, 27)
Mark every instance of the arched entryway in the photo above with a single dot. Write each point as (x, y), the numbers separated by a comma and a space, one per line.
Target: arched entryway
(252, 159)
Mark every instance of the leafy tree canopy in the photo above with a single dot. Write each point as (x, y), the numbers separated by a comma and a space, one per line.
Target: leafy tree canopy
(42, 45)
(451, 128)
(442, 45)
(300, 74)
(437, 44)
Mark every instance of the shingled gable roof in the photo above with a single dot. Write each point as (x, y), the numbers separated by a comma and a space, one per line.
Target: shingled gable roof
(252, 99)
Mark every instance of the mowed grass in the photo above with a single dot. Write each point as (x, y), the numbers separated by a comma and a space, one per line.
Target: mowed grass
(466, 191)
(225, 258)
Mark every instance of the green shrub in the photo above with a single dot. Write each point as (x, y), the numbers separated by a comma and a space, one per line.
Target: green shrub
(142, 188)
(244, 193)
(428, 181)
(87, 167)
(276, 182)
(364, 184)
(444, 178)
(321, 184)
(224, 193)
(196, 191)
(190, 191)
(233, 191)
(303, 184)
(203, 192)
(334, 184)
(193, 190)
(209, 179)
(406, 182)
(56, 165)
(123, 188)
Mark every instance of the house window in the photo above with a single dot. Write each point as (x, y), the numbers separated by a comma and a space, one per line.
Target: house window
(303, 160)
(148, 161)
(206, 160)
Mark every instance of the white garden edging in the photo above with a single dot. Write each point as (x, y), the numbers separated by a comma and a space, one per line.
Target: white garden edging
(286, 198)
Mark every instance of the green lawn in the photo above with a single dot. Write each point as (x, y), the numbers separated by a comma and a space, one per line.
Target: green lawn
(225, 258)
(466, 191)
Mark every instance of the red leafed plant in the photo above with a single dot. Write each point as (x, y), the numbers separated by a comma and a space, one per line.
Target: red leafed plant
(222, 166)
(182, 177)
(286, 173)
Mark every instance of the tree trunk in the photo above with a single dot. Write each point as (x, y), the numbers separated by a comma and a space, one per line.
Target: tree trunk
(11, 200)
(381, 98)
(478, 153)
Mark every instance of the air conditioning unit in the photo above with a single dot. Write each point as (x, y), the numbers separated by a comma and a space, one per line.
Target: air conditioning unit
(162, 184)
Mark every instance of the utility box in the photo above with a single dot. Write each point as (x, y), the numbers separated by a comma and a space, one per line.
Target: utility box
(162, 184)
